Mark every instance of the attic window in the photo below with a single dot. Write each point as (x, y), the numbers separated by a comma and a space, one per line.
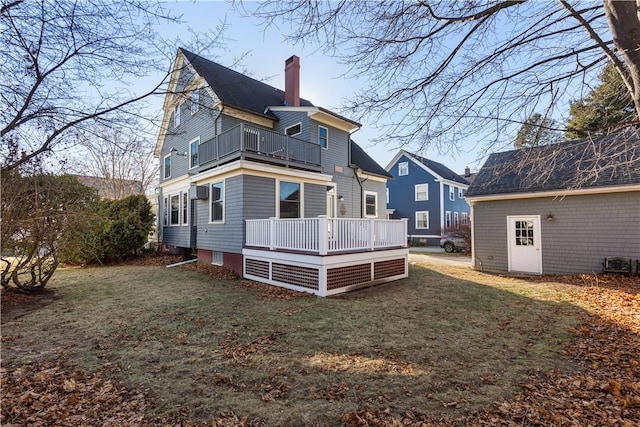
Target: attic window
(403, 169)
(293, 130)
(176, 116)
(195, 101)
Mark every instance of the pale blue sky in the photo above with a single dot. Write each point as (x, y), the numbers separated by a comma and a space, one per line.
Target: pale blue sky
(320, 75)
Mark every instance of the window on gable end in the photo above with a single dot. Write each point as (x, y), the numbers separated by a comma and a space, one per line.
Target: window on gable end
(195, 101)
(176, 116)
(403, 168)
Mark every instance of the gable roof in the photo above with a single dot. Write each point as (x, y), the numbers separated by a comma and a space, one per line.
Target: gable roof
(237, 90)
(360, 158)
(441, 171)
(609, 161)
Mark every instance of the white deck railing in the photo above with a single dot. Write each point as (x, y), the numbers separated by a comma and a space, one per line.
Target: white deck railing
(324, 235)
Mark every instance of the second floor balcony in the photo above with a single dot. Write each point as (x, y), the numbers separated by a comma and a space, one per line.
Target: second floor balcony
(253, 143)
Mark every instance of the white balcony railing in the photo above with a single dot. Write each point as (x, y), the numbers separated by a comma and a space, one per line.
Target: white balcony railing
(324, 235)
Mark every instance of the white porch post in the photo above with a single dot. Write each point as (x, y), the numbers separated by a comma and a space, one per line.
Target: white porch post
(323, 235)
(272, 233)
(405, 222)
(372, 234)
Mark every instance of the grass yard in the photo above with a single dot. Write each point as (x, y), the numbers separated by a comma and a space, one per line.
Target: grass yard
(178, 345)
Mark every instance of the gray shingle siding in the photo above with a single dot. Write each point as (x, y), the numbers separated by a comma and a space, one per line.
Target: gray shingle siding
(259, 201)
(315, 200)
(585, 229)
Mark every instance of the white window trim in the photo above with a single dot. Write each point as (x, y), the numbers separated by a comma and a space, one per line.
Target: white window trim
(456, 220)
(184, 209)
(179, 219)
(460, 193)
(278, 196)
(190, 162)
(177, 115)
(195, 106)
(426, 192)
(387, 195)
(213, 257)
(364, 203)
(447, 216)
(164, 166)
(327, 129)
(452, 193)
(167, 209)
(224, 201)
(416, 218)
(403, 166)
(464, 218)
(292, 126)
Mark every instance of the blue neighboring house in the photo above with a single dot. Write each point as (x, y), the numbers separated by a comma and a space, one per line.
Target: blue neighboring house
(429, 194)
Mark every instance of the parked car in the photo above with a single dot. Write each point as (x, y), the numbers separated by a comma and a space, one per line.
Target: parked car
(453, 243)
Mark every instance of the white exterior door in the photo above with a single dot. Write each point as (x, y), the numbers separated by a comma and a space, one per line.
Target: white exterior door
(525, 249)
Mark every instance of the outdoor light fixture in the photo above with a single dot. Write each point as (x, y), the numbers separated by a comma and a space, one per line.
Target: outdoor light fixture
(549, 216)
(341, 198)
(174, 151)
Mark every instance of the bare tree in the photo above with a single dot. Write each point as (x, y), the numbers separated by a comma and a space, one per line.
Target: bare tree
(117, 162)
(441, 71)
(68, 65)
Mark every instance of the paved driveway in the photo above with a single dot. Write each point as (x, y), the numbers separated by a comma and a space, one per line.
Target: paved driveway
(436, 256)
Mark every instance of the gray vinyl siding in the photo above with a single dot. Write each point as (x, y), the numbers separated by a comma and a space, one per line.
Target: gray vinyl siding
(227, 236)
(259, 197)
(315, 200)
(381, 189)
(585, 230)
(290, 118)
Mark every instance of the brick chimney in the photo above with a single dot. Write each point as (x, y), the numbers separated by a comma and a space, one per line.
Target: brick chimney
(467, 172)
(292, 81)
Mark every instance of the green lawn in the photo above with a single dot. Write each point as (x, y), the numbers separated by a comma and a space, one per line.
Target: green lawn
(445, 340)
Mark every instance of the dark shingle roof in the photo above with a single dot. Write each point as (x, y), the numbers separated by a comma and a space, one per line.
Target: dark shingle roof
(440, 169)
(613, 160)
(361, 159)
(237, 90)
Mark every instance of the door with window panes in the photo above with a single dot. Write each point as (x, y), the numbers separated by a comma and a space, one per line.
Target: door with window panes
(525, 249)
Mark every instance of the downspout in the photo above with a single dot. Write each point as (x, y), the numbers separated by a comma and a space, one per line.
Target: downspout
(355, 173)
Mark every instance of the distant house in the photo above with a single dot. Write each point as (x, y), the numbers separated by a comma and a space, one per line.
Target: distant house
(264, 182)
(111, 188)
(558, 209)
(429, 194)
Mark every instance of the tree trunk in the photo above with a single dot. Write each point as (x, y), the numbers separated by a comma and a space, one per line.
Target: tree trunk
(624, 24)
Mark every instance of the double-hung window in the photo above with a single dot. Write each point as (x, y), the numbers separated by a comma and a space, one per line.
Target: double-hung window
(452, 193)
(167, 166)
(456, 220)
(460, 193)
(403, 168)
(185, 208)
(175, 210)
(370, 204)
(447, 220)
(422, 220)
(323, 137)
(193, 153)
(422, 192)
(464, 218)
(176, 116)
(217, 202)
(290, 199)
(165, 209)
(195, 101)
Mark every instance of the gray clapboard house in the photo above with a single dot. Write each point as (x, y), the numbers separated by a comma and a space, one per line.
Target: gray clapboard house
(262, 181)
(558, 209)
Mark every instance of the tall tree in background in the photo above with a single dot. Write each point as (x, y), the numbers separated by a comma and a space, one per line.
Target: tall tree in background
(537, 130)
(122, 160)
(607, 106)
(443, 71)
(68, 65)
